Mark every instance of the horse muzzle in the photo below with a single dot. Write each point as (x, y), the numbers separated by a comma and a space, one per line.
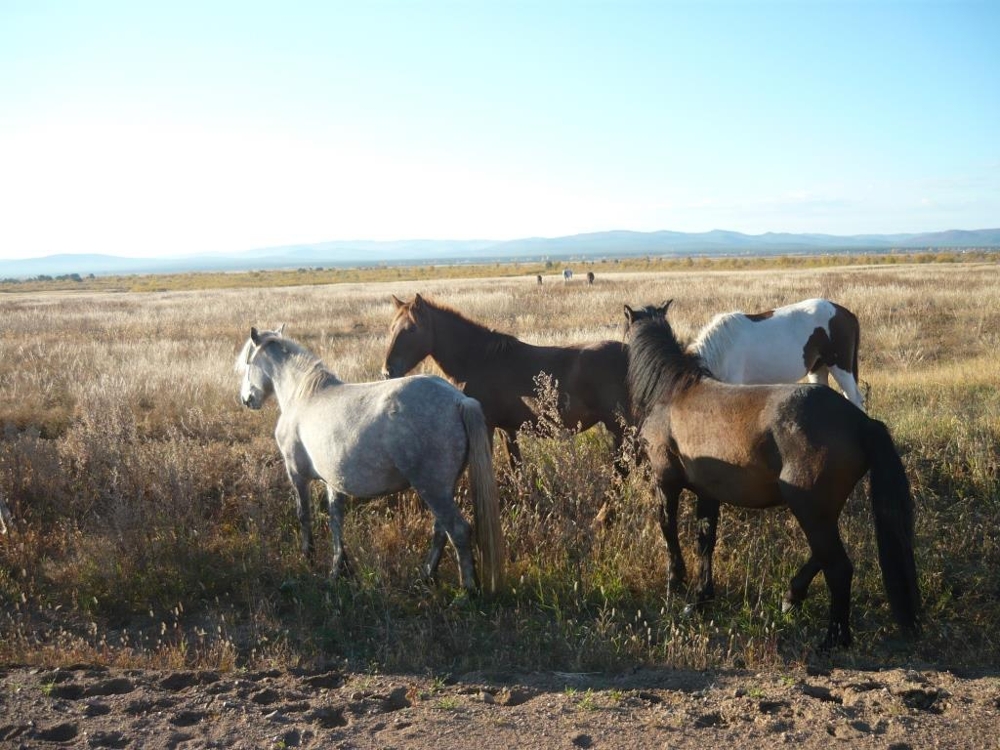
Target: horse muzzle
(251, 401)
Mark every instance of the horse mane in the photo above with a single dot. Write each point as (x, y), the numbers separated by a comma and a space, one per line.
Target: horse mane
(716, 338)
(494, 343)
(314, 374)
(659, 367)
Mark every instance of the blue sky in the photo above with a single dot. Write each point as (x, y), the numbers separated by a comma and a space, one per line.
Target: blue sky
(142, 129)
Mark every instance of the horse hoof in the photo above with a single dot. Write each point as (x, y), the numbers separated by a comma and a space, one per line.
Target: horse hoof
(787, 605)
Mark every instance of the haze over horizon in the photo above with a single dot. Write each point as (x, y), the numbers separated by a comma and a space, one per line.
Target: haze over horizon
(151, 130)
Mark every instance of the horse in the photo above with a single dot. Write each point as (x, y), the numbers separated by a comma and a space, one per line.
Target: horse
(368, 439)
(539, 279)
(759, 446)
(567, 274)
(590, 277)
(499, 370)
(5, 516)
(814, 338)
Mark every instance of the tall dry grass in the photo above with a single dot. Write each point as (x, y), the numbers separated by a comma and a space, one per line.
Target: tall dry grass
(154, 524)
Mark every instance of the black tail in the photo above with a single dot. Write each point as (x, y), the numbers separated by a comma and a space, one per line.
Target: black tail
(892, 506)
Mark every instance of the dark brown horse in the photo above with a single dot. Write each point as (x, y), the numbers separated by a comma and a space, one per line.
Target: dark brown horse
(759, 446)
(499, 370)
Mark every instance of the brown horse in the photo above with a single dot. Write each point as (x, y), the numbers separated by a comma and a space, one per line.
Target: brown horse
(759, 446)
(499, 370)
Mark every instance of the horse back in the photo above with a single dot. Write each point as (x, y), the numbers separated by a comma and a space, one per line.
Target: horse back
(739, 443)
(371, 438)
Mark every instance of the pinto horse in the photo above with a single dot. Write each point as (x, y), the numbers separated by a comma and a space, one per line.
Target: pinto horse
(761, 446)
(814, 338)
(499, 370)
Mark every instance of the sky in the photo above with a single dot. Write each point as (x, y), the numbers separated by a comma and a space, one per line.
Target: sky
(178, 128)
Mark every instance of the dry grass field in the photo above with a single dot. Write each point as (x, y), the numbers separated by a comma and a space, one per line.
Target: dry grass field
(154, 526)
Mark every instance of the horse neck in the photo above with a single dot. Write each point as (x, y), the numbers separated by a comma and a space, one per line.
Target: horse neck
(460, 345)
(714, 341)
(659, 366)
(295, 375)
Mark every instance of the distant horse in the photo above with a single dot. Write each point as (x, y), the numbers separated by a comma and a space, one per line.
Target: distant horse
(499, 370)
(567, 274)
(539, 277)
(814, 338)
(369, 439)
(5, 516)
(765, 445)
(590, 277)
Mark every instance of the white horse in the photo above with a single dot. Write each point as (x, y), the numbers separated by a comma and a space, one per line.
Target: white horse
(368, 439)
(814, 338)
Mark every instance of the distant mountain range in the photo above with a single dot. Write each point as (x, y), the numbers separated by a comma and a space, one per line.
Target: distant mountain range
(422, 252)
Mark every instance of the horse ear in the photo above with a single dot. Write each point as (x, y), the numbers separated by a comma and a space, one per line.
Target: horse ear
(255, 336)
(280, 330)
(398, 302)
(666, 306)
(629, 314)
(417, 300)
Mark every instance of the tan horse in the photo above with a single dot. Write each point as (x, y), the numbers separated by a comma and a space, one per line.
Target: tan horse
(499, 370)
(761, 446)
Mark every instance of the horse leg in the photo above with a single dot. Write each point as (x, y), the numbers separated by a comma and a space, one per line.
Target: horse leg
(829, 554)
(668, 501)
(819, 375)
(434, 555)
(301, 486)
(799, 586)
(340, 563)
(450, 521)
(618, 445)
(510, 444)
(708, 522)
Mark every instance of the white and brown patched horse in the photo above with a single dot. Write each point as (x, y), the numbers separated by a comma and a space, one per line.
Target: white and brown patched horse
(815, 338)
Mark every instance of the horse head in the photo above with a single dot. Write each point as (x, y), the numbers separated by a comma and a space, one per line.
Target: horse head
(411, 337)
(257, 385)
(649, 312)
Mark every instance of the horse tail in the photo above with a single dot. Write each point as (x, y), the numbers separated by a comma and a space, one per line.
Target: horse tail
(856, 326)
(892, 506)
(486, 497)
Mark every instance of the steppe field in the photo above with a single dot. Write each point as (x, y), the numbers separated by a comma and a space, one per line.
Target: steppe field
(154, 528)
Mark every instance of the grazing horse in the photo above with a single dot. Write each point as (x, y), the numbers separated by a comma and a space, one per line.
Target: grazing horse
(499, 370)
(539, 278)
(567, 274)
(368, 439)
(759, 446)
(814, 338)
(590, 277)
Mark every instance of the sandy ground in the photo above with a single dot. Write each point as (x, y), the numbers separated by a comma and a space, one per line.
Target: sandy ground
(83, 706)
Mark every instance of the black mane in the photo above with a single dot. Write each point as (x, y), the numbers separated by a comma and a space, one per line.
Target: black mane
(658, 365)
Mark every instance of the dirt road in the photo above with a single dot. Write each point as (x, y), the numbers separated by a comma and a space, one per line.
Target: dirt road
(83, 706)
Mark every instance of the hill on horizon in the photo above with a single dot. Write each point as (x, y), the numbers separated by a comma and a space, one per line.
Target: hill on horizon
(616, 243)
